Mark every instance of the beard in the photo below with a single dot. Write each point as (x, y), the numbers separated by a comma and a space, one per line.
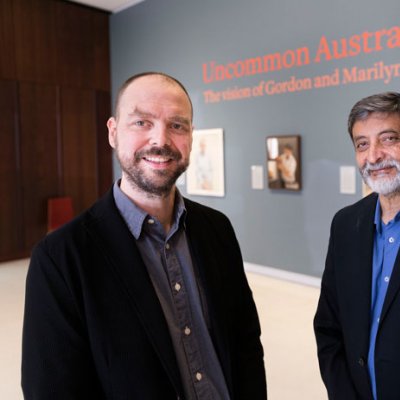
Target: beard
(385, 186)
(161, 182)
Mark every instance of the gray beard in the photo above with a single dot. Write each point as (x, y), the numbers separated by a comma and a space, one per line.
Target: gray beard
(383, 186)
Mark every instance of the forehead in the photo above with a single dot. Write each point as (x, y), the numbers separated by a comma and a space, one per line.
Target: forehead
(376, 123)
(155, 91)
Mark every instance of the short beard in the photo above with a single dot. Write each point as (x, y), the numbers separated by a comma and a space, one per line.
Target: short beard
(384, 186)
(151, 187)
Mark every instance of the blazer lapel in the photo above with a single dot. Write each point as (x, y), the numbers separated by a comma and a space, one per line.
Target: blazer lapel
(205, 259)
(393, 288)
(361, 238)
(110, 231)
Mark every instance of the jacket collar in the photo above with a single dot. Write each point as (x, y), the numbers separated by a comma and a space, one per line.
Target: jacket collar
(106, 226)
(363, 244)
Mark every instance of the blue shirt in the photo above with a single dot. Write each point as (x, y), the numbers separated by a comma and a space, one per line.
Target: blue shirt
(386, 247)
(169, 264)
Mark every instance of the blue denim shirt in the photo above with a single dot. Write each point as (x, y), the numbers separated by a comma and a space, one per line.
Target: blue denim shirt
(386, 247)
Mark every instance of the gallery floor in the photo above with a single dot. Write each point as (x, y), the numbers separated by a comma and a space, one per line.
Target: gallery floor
(286, 310)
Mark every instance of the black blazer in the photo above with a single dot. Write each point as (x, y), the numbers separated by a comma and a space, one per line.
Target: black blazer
(342, 320)
(94, 328)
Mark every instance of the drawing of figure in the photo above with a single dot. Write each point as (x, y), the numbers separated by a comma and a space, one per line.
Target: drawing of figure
(287, 165)
(204, 168)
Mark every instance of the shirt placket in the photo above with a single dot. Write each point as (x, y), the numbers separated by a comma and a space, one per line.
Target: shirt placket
(183, 315)
(389, 247)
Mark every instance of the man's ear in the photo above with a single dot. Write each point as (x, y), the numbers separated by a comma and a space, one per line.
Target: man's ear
(112, 131)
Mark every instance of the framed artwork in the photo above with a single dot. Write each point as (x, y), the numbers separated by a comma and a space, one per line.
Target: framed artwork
(205, 175)
(283, 162)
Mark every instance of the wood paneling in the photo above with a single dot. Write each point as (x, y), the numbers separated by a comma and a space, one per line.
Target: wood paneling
(39, 156)
(101, 67)
(7, 46)
(104, 151)
(78, 126)
(54, 103)
(10, 207)
(83, 47)
(35, 40)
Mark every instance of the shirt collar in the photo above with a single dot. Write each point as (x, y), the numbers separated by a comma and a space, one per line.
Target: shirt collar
(378, 217)
(134, 216)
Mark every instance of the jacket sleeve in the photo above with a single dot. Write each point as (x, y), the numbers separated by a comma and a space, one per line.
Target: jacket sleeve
(329, 336)
(56, 359)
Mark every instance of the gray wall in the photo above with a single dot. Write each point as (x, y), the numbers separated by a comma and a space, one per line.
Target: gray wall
(281, 229)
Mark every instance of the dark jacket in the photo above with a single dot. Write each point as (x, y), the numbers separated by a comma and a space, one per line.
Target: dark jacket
(93, 325)
(342, 320)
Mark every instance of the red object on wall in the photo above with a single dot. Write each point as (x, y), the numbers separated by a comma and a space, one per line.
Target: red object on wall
(59, 211)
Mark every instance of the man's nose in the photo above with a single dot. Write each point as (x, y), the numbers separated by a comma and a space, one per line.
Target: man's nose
(160, 136)
(375, 153)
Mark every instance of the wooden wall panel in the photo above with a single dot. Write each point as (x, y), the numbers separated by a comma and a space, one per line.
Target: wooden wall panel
(7, 45)
(104, 151)
(35, 40)
(83, 52)
(78, 126)
(39, 156)
(101, 67)
(54, 107)
(10, 206)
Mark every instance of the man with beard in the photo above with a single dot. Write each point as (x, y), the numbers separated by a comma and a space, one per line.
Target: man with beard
(144, 295)
(357, 323)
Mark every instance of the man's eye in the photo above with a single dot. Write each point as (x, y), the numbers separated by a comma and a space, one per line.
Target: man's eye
(180, 127)
(361, 145)
(139, 123)
(391, 138)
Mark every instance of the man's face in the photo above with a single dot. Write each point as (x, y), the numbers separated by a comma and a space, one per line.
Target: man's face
(377, 144)
(287, 151)
(152, 134)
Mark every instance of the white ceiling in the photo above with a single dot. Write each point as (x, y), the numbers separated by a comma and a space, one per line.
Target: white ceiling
(109, 5)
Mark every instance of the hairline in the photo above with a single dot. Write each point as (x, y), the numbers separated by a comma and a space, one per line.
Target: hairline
(387, 103)
(133, 78)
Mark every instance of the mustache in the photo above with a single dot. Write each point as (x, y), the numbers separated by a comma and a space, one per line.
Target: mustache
(164, 151)
(368, 167)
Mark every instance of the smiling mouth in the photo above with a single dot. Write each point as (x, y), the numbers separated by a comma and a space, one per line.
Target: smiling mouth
(380, 171)
(158, 159)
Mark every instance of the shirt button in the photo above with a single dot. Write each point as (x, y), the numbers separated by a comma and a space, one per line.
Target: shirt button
(167, 246)
(151, 221)
(361, 361)
(187, 331)
(177, 287)
(391, 240)
(386, 279)
(199, 376)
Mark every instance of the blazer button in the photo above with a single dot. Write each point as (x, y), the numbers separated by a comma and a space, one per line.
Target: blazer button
(361, 361)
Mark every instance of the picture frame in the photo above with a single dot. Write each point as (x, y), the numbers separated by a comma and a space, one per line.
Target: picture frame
(205, 174)
(284, 162)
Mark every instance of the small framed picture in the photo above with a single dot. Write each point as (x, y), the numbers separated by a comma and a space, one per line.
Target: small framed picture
(283, 162)
(205, 175)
